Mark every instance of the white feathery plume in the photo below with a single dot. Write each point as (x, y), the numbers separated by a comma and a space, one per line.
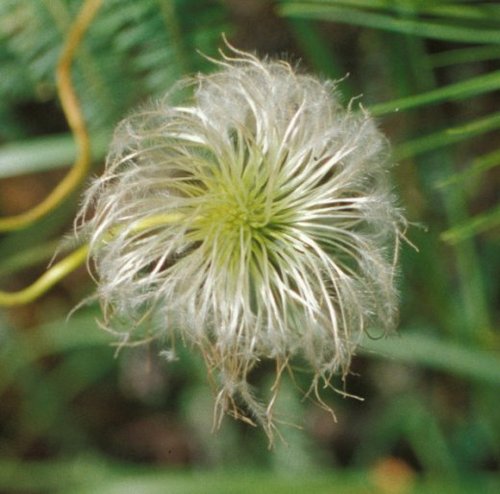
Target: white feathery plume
(255, 219)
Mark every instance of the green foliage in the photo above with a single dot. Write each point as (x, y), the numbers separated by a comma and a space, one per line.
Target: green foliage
(429, 72)
(90, 475)
(134, 50)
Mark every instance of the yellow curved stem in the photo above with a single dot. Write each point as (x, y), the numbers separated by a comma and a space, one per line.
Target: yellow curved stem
(47, 280)
(74, 116)
(61, 269)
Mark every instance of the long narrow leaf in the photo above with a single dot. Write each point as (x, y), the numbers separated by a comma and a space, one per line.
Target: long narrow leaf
(428, 351)
(426, 29)
(45, 153)
(447, 137)
(465, 55)
(480, 165)
(461, 90)
(478, 224)
(452, 10)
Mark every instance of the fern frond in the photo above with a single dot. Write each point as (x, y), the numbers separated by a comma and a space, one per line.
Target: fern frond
(133, 50)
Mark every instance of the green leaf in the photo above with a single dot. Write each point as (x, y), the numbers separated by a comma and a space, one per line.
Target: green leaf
(473, 226)
(460, 90)
(436, 8)
(424, 350)
(426, 29)
(132, 51)
(94, 474)
(479, 165)
(19, 351)
(28, 257)
(45, 153)
(448, 136)
(464, 55)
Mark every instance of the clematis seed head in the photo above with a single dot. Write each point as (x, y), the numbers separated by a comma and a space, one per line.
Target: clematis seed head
(251, 214)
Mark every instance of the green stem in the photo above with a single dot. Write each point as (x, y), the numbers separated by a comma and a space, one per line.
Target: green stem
(47, 280)
(70, 263)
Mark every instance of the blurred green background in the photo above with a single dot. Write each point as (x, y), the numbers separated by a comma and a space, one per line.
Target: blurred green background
(77, 418)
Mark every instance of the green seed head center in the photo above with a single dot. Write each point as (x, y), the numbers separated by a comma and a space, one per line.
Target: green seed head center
(236, 214)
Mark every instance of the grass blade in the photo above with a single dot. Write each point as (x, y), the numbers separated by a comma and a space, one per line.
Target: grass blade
(460, 90)
(426, 29)
(419, 348)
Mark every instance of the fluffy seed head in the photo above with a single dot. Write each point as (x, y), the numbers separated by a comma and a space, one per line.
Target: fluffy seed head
(253, 217)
